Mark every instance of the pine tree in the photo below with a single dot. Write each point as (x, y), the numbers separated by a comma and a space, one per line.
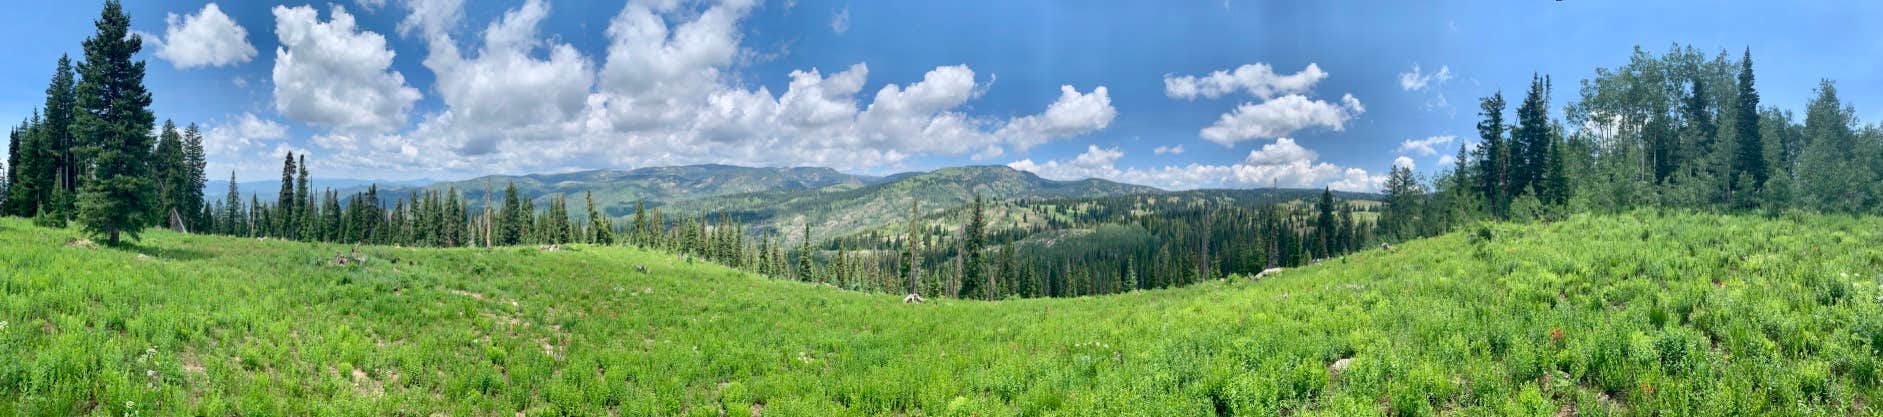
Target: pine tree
(912, 256)
(974, 278)
(600, 231)
(1324, 226)
(232, 210)
(1529, 148)
(284, 201)
(114, 120)
(515, 218)
(640, 233)
(804, 256)
(1748, 169)
(195, 163)
(56, 139)
(1700, 125)
(303, 219)
(12, 174)
(167, 163)
(1493, 162)
(25, 191)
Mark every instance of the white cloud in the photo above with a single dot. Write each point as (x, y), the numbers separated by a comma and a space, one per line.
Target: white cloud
(505, 92)
(1418, 80)
(1281, 164)
(1072, 114)
(208, 38)
(1257, 79)
(1425, 147)
(430, 18)
(241, 133)
(1280, 117)
(1448, 160)
(664, 92)
(1405, 162)
(840, 23)
(370, 5)
(1168, 150)
(1096, 162)
(1283, 107)
(334, 75)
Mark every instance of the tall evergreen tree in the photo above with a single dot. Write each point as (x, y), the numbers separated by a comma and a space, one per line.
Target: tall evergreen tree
(167, 163)
(1700, 125)
(21, 198)
(600, 231)
(1529, 143)
(195, 164)
(232, 210)
(1324, 226)
(57, 138)
(515, 217)
(912, 249)
(1748, 169)
(114, 120)
(804, 256)
(1493, 162)
(284, 201)
(974, 280)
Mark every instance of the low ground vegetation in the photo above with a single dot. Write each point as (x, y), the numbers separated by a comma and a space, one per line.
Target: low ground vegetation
(1631, 314)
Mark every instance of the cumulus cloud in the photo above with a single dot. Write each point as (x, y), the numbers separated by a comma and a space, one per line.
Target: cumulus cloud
(1281, 164)
(1096, 162)
(1168, 150)
(840, 23)
(430, 18)
(1283, 107)
(241, 133)
(1072, 114)
(207, 38)
(1405, 162)
(1280, 117)
(504, 91)
(335, 75)
(1257, 79)
(1418, 80)
(1425, 147)
(665, 91)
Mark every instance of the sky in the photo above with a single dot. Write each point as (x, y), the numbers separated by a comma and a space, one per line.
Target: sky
(1175, 94)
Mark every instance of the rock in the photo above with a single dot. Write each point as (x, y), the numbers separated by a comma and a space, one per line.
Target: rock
(1339, 366)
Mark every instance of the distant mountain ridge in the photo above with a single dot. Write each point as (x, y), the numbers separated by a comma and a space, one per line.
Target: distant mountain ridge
(779, 201)
(837, 211)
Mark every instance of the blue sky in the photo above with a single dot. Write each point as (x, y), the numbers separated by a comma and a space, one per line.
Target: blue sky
(1068, 89)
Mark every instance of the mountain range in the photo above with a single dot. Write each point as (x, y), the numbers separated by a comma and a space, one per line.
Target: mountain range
(767, 200)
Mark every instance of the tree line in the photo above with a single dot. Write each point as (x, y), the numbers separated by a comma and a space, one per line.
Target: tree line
(88, 155)
(1678, 130)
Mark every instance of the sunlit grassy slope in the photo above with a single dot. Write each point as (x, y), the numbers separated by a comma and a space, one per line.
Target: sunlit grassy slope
(1631, 315)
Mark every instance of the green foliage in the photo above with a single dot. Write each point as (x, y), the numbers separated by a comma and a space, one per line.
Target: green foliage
(114, 122)
(1631, 314)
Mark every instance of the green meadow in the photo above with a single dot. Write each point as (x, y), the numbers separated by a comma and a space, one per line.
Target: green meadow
(1630, 314)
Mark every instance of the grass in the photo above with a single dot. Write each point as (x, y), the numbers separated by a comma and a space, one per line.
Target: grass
(1634, 314)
